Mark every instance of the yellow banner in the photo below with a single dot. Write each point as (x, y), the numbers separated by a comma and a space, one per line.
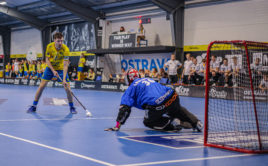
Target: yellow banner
(39, 55)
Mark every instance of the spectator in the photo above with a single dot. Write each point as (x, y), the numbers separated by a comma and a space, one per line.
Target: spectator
(74, 74)
(194, 77)
(264, 82)
(80, 68)
(111, 78)
(16, 67)
(20, 71)
(256, 69)
(122, 30)
(142, 74)
(154, 74)
(8, 70)
(121, 77)
(225, 73)
(187, 68)
(173, 65)
(140, 34)
(91, 74)
(162, 73)
(147, 73)
(214, 71)
(235, 69)
(202, 71)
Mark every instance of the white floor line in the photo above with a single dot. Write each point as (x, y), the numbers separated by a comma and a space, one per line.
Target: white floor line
(59, 150)
(187, 160)
(192, 147)
(56, 119)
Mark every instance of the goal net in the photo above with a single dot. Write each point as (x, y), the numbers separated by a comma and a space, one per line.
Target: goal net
(236, 108)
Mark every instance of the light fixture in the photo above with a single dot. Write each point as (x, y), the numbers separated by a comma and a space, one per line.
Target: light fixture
(3, 2)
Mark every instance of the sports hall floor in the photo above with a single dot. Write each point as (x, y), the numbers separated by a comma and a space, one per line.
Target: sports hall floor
(54, 137)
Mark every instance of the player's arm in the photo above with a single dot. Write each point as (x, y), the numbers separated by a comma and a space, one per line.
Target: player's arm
(65, 70)
(125, 108)
(65, 64)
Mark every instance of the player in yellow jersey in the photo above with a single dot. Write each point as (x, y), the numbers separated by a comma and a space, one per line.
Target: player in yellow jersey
(81, 65)
(8, 69)
(25, 68)
(20, 70)
(39, 70)
(57, 56)
(31, 69)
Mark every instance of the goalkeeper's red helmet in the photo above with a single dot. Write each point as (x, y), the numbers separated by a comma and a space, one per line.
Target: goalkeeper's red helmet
(132, 74)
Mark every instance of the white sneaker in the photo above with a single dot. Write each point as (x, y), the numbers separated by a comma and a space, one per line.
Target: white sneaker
(225, 85)
(213, 84)
(235, 85)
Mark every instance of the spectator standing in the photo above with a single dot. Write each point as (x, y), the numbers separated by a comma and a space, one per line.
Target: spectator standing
(81, 65)
(173, 65)
(187, 68)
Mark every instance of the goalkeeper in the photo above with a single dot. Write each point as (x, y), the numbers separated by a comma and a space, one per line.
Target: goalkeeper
(57, 56)
(161, 104)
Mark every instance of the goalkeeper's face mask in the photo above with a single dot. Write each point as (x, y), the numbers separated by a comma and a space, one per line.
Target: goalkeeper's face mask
(132, 74)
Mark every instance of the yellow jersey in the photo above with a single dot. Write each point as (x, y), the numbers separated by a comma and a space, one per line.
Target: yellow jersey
(38, 67)
(43, 66)
(25, 66)
(31, 67)
(8, 68)
(56, 57)
(91, 76)
(81, 62)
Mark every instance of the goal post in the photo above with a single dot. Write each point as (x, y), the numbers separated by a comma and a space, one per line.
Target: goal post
(236, 96)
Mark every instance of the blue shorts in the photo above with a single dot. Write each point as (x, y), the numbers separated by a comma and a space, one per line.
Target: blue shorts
(80, 69)
(25, 73)
(7, 73)
(48, 75)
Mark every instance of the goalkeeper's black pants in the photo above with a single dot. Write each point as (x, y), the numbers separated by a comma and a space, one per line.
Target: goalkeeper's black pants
(161, 119)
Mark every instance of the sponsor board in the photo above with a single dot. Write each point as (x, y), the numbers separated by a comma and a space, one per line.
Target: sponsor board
(183, 91)
(191, 91)
(2, 80)
(217, 93)
(24, 81)
(110, 87)
(123, 87)
(87, 86)
(17, 81)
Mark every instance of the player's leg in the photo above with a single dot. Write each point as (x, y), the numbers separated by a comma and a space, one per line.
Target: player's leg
(38, 95)
(68, 92)
(158, 120)
(47, 76)
(188, 120)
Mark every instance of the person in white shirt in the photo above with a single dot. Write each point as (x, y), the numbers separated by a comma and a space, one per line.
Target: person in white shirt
(173, 65)
(202, 71)
(256, 69)
(235, 70)
(225, 73)
(187, 68)
(214, 71)
(16, 67)
(194, 77)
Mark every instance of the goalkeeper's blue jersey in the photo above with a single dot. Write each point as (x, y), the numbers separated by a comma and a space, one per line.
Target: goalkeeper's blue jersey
(145, 91)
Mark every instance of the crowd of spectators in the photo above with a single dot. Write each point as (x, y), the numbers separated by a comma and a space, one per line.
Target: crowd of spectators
(224, 73)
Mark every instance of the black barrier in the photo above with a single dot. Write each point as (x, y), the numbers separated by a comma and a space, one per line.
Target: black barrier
(190, 91)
